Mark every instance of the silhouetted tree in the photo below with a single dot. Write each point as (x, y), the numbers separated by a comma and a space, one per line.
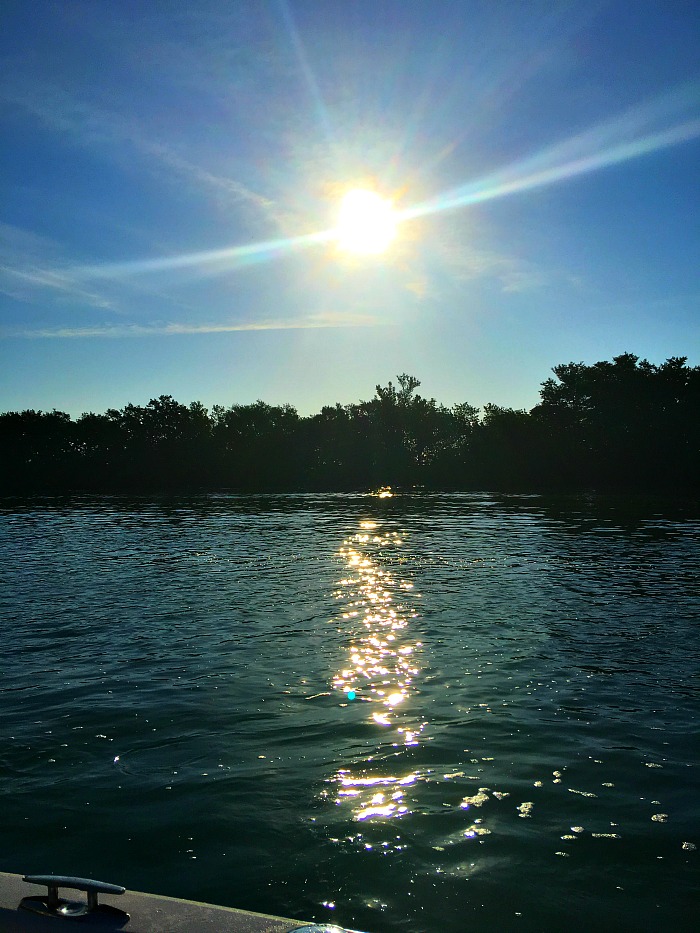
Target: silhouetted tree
(35, 449)
(620, 423)
(623, 422)
(254, 445)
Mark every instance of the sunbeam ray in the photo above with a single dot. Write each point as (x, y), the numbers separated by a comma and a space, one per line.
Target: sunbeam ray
(309, 76)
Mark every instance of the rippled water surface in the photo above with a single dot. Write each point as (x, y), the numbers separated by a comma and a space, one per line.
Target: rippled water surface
(412, 713)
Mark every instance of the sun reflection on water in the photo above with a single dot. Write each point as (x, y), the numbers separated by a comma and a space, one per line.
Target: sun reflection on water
(381, 668)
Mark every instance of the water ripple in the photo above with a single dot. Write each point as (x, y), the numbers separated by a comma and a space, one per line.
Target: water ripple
(430, 712)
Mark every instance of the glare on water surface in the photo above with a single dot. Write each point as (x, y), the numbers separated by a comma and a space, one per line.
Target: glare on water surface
(381, 666)
(419, 712)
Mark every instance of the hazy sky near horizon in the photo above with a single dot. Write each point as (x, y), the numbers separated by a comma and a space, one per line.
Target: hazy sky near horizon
(166, 165)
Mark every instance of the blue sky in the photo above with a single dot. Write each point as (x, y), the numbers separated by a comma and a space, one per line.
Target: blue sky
(167, 164)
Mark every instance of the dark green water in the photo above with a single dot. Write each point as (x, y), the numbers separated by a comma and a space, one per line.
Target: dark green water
(521, 752)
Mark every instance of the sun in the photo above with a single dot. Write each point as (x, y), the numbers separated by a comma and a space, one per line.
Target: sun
(366, 223)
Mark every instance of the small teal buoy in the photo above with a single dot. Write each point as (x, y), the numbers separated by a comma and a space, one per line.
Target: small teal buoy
(351, 694)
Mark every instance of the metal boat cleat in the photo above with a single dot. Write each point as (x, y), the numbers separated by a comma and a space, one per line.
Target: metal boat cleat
(51, 905)
(49, 911)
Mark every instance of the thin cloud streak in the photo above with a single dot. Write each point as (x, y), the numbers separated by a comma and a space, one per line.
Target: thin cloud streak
(33, 270)
(91, 126)
(30, 265)
(219, 183)
(45, 279)
(315, 322)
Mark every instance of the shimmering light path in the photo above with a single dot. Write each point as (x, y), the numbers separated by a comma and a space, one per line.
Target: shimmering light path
(520, 753)
(381, 668)
(440, 818)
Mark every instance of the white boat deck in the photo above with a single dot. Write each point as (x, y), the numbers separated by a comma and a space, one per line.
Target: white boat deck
(148, 913)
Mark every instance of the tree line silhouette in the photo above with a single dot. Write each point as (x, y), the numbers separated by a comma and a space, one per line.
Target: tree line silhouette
(623, 424)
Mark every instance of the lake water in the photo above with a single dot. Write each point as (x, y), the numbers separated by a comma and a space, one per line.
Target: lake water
(425, 713)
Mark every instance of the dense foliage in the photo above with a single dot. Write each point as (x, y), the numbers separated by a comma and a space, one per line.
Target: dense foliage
(625, 423)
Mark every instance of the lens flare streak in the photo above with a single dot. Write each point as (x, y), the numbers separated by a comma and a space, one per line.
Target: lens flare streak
(627, 136)
(227, 258)
(609, 143)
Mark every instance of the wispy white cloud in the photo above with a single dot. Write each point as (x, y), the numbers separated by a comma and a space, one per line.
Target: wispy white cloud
(35, 271)
(31, 268)
(454, 258)
(42, 279)
(222, 185)
(312, 322)
(513, 273)
(121, 136)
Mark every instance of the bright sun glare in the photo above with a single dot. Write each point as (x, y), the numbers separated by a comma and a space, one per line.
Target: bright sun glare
(366, 222)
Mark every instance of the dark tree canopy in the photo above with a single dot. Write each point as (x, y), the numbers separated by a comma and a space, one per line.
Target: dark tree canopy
(622, 424)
